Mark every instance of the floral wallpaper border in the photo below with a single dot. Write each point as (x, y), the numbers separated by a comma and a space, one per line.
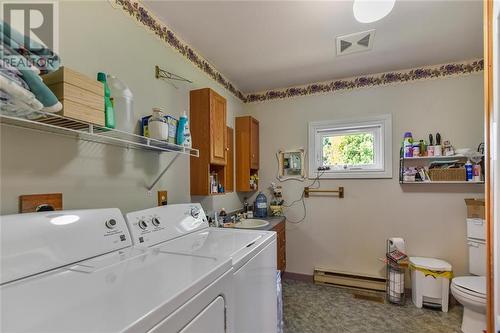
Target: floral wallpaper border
(142, 15)
(460, 68)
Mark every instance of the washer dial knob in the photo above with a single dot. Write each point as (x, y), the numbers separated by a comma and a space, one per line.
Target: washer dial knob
(142, 224)
(195, 212)
(111, 223)
(155, 221)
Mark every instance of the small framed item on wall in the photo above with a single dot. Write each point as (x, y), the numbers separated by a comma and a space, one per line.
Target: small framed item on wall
(291, 164)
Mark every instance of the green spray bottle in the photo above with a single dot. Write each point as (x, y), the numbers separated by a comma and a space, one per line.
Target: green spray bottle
(109, 112)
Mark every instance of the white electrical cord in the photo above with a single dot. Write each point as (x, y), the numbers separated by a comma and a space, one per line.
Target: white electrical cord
(301, 199)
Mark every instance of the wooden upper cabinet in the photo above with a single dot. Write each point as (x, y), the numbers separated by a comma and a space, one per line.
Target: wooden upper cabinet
(247, 152)
(229, 178)
(207, 122)
(218, 129)
(254, 143)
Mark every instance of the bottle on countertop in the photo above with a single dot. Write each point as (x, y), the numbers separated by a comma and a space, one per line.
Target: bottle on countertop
(222, 217)
(245, 205)
(261, 205)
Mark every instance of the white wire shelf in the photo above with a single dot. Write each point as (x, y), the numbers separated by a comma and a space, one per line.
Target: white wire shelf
(56, 124)
(443, 182)
(434, 157)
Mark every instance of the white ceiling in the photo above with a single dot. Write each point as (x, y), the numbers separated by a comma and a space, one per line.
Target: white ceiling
(260, 45)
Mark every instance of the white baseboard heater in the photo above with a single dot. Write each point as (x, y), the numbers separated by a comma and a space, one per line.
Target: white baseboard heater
(348, 280)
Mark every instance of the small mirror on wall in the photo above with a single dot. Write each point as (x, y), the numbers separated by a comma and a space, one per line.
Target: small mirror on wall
(291, 164)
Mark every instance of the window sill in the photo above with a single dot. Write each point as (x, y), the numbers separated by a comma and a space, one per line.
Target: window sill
(353, 175)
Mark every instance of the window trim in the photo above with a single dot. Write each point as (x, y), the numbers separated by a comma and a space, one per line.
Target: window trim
(383, 153)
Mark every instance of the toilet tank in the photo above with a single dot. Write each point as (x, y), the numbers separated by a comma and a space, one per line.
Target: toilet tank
(476, 241)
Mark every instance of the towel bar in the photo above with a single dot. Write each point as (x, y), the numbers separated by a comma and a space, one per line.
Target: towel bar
(340, 191)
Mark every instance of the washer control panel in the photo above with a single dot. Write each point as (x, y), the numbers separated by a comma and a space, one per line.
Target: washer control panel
(152, 226)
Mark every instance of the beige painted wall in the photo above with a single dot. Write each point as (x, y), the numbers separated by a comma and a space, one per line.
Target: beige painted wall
(349, 234)
(96, 37)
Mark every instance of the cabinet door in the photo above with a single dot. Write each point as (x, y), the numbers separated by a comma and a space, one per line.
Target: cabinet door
(254, 144)
(217, 129)
(230, 161)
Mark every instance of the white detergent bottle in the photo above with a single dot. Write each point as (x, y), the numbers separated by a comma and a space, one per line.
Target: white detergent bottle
(123, 100)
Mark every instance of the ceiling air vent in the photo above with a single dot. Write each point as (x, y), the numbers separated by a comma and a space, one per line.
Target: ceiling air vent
(357, 42)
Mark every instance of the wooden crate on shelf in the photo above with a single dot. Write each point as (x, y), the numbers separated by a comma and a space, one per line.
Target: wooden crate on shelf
(452, 174)
(81, 96)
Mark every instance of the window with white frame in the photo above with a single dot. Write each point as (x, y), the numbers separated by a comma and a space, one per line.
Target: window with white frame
(360, 148)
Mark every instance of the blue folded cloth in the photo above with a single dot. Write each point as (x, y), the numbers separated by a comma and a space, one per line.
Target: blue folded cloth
(13, 74)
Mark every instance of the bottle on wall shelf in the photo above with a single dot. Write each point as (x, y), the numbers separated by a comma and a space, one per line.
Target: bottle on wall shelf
(469, 171)
(183, 133)
(109, 112)
(122, 100)
(157, 125)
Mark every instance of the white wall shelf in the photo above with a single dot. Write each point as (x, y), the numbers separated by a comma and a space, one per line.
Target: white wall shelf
(444, 182)
(90, 132)
(437, 158)
(60, 125)
(427, 160)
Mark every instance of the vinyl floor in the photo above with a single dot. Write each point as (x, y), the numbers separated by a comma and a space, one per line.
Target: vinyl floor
(308, 307)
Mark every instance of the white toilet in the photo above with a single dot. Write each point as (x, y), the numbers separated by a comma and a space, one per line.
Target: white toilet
(470, 291)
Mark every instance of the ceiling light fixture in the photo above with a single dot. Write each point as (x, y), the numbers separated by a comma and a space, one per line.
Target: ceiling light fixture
(368, 11)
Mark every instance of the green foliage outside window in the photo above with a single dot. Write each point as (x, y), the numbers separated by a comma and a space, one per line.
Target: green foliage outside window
(352, 149)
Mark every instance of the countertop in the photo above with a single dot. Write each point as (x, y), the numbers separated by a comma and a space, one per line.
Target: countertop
(273, 221)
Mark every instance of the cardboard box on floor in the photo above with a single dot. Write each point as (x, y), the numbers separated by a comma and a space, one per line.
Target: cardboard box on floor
(475, 208)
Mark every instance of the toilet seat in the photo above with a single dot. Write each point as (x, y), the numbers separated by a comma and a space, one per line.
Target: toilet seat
(471, 287)
(465, 298)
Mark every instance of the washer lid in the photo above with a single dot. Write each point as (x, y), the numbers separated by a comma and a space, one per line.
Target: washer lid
(131, 295)
(476, 284)
(431, 264)
(239, 245)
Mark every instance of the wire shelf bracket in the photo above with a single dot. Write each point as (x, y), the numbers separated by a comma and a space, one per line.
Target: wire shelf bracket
(166, 75)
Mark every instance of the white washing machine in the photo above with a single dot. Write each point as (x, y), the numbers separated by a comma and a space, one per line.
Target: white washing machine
(76, 271)
(183, 229)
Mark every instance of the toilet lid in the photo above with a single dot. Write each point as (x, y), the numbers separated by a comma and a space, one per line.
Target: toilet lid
(431, 264)
(475, 284)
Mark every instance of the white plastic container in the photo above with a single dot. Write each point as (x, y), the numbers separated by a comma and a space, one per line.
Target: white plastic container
(157, 125)
(429, 286)
(123, 102)
(476, 228)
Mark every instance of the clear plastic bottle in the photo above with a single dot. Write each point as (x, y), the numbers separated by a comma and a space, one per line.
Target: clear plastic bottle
(123, 100)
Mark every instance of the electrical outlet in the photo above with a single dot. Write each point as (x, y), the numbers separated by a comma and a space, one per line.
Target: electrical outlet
(162, 198)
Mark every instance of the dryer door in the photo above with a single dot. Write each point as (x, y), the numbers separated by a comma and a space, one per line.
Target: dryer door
(212, 319)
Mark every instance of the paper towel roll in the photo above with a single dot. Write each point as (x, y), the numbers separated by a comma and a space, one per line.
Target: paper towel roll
(397, 243)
